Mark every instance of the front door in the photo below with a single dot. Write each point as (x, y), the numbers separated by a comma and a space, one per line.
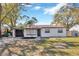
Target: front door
(19, 33)
(38, 32)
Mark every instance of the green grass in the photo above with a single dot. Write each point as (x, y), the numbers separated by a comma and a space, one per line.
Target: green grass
(70, 39)
(70, 47)
(71, 50)
(49, 41)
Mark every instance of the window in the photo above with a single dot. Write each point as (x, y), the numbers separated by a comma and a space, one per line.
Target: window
(47, 30)
(60, 31)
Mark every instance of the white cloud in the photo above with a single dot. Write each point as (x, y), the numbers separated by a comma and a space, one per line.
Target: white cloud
(29, 5)
(53, 10)
(37, 7)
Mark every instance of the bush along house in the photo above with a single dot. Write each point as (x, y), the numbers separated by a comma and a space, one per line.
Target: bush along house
(40, 31)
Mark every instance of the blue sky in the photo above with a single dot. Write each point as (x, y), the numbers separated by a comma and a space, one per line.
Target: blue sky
(44, 12)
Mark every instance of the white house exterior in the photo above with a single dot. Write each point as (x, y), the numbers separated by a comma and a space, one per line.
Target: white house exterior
(74, 30)
(42, 31)
(53, 32)
(30, 32)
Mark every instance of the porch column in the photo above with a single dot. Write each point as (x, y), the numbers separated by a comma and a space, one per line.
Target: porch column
(13, 33)
(24, 32)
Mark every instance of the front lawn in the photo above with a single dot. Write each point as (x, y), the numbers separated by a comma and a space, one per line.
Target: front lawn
(46, 47)
(69, 39)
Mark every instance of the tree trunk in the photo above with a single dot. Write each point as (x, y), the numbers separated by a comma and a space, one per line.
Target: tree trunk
(0, 31)
(0, 19)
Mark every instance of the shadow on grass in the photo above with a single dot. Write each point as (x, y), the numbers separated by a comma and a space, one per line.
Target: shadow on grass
(56, 52)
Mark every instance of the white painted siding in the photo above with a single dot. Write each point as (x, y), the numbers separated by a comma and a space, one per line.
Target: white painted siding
(53, 32)
(30, 33)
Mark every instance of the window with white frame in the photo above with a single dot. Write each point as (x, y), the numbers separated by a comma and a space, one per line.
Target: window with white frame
(60, 30)
(47, 30)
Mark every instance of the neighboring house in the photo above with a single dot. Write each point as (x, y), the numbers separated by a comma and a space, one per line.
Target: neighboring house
(74, 31)
(4, 28)
(40, 31)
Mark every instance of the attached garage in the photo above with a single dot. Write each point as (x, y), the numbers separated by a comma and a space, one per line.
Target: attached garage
(19, 33)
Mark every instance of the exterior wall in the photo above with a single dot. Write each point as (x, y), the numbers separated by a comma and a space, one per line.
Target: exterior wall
(53, 32)
(30, 33)
(74, 33)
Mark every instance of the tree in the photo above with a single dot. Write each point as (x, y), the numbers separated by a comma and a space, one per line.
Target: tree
(15, 15)
(31, 21)
(4, 13)
(68, 16)
(0, 18)
(9, 13)
(11, 18)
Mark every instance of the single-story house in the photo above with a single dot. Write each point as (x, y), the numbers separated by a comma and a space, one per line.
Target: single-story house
(74, 30)
(40, 31)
